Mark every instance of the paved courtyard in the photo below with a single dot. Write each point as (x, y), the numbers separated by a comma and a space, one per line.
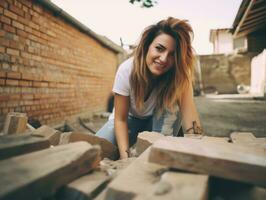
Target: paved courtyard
(222, 115)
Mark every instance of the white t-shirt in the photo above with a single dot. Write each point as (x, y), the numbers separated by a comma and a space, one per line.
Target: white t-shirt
(122, 86)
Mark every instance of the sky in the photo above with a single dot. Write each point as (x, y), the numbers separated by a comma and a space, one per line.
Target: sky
(117, 19)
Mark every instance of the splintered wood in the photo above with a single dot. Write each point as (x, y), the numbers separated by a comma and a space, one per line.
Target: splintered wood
(39, 174)
(144, 180)
(17, 144)
(218, 159)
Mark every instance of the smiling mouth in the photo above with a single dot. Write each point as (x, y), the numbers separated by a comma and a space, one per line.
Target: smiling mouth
(159, 65)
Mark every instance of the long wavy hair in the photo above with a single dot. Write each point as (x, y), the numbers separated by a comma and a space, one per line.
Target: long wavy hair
(175, 81)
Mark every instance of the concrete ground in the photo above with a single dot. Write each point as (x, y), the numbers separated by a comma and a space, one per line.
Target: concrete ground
(220, 115)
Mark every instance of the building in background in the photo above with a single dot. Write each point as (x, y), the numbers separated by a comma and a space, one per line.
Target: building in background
(233, 62)
(222, 41)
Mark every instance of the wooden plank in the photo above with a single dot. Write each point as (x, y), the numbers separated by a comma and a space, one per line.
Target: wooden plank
(241, 137)
(248, 139)
(222, 160)
(18, 144)
(15, 123)
(144, 180)
(39, 174)
(215, 139)
(89, 186)
(146, 139)
(108, 149)
(49, 133)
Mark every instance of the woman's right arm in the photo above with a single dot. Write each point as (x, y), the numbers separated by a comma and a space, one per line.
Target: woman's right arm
(121, 104)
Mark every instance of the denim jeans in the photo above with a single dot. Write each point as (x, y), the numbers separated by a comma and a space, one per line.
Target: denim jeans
(137, 125)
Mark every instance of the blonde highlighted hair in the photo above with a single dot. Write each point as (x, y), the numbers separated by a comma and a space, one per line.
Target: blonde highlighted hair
(173, 83)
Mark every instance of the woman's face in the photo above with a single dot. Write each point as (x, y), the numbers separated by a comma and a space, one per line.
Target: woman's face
(161, 54)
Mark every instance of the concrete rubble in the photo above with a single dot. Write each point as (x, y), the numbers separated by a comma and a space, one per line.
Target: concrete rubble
(46, 163)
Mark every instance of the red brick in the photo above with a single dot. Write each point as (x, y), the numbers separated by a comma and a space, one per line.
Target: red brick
(1, 10)
(36, 33)
(23, 20)
(2, 49)
(16, 10)
(12, 52)
(2, 81)
(12, 82)
(5, 20)
(18, 4)
(18, 25)
(2, 74)
(9, 28)
(14, 44)
(3, 97)
(2, 33)
(36, 84)
(26, 55)
(25, 9)
(44, 84)
(3, 4)
(10, 14)
(27, 16)
(27, 96)
(24, 83)
(28, 76)
(34, 26)
(4, 42)
(38, 9)
(26, 3)
(14, 75)
(14, 97)
(37, 96)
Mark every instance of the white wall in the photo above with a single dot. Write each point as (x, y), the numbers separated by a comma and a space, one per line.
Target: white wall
(258, 75)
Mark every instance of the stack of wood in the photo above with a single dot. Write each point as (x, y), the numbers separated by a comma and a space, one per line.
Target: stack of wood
(48, 164)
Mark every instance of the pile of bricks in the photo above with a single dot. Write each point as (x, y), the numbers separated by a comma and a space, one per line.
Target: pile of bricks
(45, 163)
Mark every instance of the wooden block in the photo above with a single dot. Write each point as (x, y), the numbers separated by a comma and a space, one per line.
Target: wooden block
(248, 139)
(39, 174)
(143, 180)
(146, 139)
(241, 137)
(85, 188)
(215, 139)
(190, 186)
(18, 144)
(89, 186)
(207, 138)
(222, 160)
(15, 123)
(108, 149)
(49, 133)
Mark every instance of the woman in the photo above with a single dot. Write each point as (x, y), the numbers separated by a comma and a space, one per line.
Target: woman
(157, 78)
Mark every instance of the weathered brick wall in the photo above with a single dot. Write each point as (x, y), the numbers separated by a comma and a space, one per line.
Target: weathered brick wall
(50, 69)
(225, 72)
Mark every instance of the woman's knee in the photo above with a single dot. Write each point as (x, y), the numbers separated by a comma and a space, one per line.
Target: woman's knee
(107, 132)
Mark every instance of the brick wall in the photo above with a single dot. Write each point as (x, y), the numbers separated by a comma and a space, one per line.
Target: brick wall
(48, 68)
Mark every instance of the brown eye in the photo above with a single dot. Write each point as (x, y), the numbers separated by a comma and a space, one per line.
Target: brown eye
(159, 49)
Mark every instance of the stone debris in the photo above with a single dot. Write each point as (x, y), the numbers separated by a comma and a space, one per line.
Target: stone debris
(81, 166)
